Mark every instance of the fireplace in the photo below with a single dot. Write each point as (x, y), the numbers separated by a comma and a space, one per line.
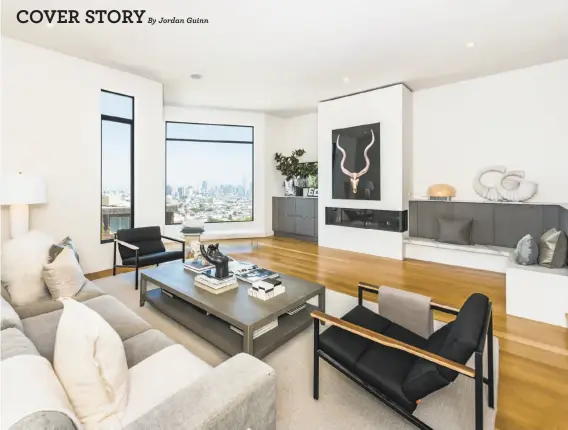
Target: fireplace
(372, 219)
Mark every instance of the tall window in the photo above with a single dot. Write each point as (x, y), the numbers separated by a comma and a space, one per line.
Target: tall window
(117, 163)
(209, 172)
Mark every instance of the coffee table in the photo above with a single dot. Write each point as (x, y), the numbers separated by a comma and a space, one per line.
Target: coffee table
(209, 315)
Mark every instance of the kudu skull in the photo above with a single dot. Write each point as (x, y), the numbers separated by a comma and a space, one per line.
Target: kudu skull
(354, 177)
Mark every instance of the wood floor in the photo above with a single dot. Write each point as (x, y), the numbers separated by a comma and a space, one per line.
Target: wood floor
(533, 378)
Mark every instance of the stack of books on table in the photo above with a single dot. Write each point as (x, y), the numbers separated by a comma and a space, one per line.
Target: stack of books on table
(197, 266)
(260, 331)
(266, 289)
(215, 286)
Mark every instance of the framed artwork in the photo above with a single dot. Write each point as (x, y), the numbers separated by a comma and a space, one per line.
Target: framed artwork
(356, 168)
(316, 192)
(311, 192)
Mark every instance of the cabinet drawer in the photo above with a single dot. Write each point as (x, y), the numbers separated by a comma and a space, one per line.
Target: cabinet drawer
(305, 226)
(287, 206)
(306, 207)
(286, 224)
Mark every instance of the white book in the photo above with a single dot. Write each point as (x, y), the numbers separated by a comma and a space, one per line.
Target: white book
(258, 332)
(266, 294)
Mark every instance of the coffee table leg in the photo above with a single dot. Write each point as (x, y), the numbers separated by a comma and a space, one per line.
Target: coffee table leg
(321, 303)
(143, 284)
(248, 341)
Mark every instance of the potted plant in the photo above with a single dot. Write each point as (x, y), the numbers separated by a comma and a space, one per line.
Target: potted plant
(291, 169)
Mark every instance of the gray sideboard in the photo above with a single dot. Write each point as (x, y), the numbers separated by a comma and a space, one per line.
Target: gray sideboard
(295, 217)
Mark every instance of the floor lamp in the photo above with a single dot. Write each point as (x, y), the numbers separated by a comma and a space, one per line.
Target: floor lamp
(19, 191)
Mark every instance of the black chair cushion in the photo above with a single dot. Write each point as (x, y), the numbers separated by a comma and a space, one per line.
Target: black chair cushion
(346, 347)
(157, 258)
(386, 368)
(464, 335)
(148, 239)
(424, 377)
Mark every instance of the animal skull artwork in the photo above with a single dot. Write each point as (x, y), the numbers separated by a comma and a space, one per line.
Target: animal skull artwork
(354, 177)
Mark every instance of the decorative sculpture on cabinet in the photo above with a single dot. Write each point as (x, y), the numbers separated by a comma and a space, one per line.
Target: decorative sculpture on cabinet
(511, 186)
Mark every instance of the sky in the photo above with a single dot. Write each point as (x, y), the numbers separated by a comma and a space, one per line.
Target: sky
(188, 162)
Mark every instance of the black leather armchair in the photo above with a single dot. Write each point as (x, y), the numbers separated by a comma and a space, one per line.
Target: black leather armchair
(143, 246)
(400, 367)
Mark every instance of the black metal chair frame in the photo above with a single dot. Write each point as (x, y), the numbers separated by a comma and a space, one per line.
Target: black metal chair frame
(137, 250)
(477, 373)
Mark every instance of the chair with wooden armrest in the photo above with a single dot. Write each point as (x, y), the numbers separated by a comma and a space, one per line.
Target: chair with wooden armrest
(143, 246)
(400, 367)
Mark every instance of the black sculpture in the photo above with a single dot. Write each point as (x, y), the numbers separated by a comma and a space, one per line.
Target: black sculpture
(216, 257)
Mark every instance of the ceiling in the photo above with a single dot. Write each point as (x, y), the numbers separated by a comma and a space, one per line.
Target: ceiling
(284, 56)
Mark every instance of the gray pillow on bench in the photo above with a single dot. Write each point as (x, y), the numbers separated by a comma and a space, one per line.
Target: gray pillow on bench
(526, 252)
(456, 231)
(553, 249)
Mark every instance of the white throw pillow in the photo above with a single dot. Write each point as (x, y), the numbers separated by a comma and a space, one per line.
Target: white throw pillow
(22, 264)
(64, 277)
(91, 364)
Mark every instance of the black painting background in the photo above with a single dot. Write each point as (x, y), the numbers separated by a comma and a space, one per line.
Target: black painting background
(354, 140)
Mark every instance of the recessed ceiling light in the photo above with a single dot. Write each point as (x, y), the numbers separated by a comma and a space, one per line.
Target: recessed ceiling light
(196, 76)
(470, 45)
(346, 79)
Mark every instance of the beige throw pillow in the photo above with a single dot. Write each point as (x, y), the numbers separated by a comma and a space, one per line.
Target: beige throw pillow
(64, 277)
(90, 362)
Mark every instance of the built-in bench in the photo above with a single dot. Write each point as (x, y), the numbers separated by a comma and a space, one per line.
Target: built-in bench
(482, 257)
(537, 293)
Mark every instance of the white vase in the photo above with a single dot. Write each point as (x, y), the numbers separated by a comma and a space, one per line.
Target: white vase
(289, 188)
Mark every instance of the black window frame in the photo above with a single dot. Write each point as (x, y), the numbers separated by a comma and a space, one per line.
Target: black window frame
(205, 141)
(131, 123)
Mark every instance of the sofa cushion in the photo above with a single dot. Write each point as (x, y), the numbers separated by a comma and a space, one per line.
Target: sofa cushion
(346, 347)
(63, 276)
(154, 380)
(8, 316)
(148, 239)
(90, 362)
(45, 421)
(41, 329)
(47, 304)
(22, 263)
(144, 345)
(149, 260)
(14, 342)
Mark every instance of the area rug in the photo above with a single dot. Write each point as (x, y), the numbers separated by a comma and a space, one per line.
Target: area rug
(342, 404)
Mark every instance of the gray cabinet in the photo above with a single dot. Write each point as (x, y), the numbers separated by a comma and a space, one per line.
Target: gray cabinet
(295, 217)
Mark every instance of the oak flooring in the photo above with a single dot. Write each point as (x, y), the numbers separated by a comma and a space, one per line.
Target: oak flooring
(533, 385)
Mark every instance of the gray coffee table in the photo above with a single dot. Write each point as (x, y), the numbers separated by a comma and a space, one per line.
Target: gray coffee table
(209, 315)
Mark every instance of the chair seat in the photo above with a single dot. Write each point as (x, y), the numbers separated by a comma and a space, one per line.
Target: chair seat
(156, 258)
(383, 367)
(346, 347)
(386, 368)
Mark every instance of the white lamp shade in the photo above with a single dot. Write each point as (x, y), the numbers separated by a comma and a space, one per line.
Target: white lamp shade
(22, 189)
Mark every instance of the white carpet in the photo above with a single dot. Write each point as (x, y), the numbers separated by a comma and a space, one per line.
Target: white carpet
(342, 404)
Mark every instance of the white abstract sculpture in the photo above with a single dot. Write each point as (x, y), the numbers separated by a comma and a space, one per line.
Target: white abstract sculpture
(510, 187)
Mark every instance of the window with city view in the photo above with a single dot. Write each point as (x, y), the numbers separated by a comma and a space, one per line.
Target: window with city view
(209, 172)
(117, 170)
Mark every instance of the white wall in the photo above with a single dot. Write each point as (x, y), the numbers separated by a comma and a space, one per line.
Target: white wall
(51, 127)
(390, 107)
(262, 223)
(517, 119)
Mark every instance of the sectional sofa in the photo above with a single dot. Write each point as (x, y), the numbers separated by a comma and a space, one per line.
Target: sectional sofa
(239, 393)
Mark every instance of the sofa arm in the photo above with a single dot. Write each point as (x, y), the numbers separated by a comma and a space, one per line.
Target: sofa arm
(238, 394)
